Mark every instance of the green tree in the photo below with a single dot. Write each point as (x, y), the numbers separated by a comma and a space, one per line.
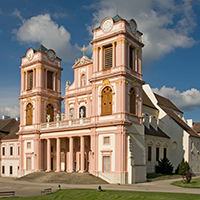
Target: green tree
(183, 167)
(164, 166)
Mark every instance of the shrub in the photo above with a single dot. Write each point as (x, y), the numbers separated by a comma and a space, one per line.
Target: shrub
(164, 166)
(183, 167)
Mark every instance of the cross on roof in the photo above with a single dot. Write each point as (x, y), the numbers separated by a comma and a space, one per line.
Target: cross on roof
(83, 50)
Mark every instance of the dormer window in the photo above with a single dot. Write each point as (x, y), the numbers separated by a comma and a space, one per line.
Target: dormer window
(108, 54)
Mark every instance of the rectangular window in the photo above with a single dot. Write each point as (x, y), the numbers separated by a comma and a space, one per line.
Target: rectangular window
(165, 153)
(28, 145)
(131, 58)
(11, 151)
(28, 163)
(108, 54)
(11, 170)
(157, 153)
(49, 80)
(149, 153)
(3, 169)
(3, 151)
(106, 140)
(30, 79)
(106, 164)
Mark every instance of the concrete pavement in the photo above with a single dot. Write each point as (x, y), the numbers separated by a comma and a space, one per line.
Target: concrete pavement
(25, 188)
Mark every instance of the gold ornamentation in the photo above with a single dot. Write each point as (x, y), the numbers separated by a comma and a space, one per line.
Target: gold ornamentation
(41, 68)
(21, 102)
(126, 82)
(28, 99)
(106, 82)
(51, 99)
(134, 83)
(96, 49)
(122, 41)
(118, 82)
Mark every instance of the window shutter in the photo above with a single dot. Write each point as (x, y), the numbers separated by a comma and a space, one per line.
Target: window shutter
(108, 57)
(49, 80)
(30, 80)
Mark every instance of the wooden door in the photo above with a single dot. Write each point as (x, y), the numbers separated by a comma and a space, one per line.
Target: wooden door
(107, 101)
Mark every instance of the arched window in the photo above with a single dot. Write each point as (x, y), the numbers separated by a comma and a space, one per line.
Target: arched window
(106, 102)
(83, 80)
(132, 101)
(50, 111)
(82, 112)
(29, 114)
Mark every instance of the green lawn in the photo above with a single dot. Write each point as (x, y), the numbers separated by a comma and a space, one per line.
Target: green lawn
(155, 176)
(194, 183)
(89, 194)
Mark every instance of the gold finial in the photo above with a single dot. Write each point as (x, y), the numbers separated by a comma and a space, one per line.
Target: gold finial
(83, 50)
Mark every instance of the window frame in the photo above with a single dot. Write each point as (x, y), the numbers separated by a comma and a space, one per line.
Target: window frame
(108, 57)
(149, 154)
(107, 165)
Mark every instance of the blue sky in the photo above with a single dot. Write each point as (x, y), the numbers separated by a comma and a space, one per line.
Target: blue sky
(171, 56)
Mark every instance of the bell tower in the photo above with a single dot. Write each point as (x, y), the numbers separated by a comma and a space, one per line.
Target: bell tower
(40, 88)
(117, 54)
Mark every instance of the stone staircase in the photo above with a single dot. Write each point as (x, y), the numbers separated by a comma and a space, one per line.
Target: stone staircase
(62, 177)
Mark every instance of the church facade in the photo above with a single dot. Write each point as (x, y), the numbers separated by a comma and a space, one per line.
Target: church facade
(113, 123)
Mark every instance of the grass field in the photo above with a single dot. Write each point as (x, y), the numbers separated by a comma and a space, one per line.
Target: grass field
(194, 183)
(88, 194)
(156, 176)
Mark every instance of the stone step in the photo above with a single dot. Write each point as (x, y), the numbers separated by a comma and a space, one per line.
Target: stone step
(62, 177)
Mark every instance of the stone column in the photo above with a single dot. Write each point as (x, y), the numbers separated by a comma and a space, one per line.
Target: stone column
(48, 155)
(101, 59)
(136, 60)
(58, 155)
(71, 154)
(82, 154)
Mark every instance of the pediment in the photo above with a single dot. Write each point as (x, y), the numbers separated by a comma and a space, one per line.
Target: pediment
(82, 61)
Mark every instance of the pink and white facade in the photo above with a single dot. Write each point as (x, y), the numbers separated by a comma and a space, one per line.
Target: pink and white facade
(101, 128)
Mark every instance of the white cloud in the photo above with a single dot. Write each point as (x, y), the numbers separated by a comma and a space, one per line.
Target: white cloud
(58, 15)
(17, 13)
(187, 100)
(10, 111)
(166, 24)
(42, 29)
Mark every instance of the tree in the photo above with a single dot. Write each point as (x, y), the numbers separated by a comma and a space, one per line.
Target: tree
(164, 166)
(183, 167)
(184, 170)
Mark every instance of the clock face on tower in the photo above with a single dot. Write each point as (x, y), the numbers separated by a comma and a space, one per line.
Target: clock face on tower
(51, 55)
(30, 54)
(133, 27)
(107, 25)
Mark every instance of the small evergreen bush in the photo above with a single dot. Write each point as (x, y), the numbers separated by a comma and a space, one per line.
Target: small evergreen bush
(164, 166)
(183, 167)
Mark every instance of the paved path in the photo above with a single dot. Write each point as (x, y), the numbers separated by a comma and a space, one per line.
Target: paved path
(25, 188)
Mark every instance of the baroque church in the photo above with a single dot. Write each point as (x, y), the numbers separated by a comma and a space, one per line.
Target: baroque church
(114, 126)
